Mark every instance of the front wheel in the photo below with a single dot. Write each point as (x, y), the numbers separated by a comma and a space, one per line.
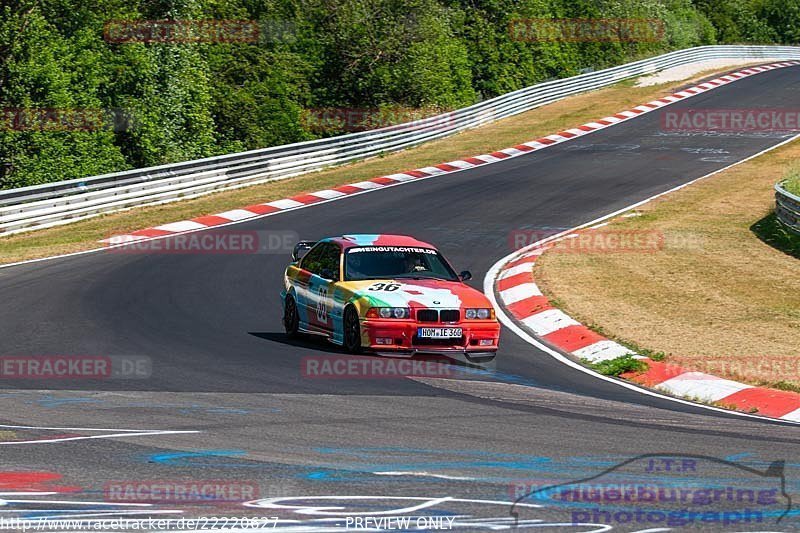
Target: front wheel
(291, 320)
(352, 331)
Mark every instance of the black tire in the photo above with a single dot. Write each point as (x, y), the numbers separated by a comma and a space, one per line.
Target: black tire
(291, 320)
(351, 329)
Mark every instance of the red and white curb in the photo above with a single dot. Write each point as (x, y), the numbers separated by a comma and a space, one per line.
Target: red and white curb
(336, 193)
(517, 292)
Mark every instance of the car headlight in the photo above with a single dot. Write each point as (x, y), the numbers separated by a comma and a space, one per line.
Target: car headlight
(480, 314)
(389, 312)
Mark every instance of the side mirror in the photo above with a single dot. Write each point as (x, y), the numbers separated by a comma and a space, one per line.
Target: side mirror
(300, 249)
(465, 275)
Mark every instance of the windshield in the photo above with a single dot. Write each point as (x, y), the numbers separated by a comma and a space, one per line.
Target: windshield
(382, 262)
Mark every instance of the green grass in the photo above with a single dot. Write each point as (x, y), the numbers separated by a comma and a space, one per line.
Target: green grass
(784, 385)
(792, 183)
(650, 354)
(618, 366)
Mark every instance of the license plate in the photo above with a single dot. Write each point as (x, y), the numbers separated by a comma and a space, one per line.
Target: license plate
(439, 333)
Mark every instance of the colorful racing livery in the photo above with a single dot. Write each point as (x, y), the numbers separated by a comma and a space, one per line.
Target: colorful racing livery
(390, 294)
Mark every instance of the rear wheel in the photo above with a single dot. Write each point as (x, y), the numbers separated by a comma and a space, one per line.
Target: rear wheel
(352, 330)
(291, 320)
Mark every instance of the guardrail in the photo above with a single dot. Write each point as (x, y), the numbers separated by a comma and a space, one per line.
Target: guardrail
(787, 208)
(62, 202)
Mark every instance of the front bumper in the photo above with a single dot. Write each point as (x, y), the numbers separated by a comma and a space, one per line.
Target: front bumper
(398, 337)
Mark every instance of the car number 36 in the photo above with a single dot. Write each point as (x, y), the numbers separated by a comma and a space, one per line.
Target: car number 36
(388, 287)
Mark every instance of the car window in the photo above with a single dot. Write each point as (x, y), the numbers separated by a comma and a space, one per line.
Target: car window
(329, 261)
(322, 258)
(311, 261)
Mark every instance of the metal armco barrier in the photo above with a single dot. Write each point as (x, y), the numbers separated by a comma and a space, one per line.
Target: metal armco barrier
(787, 208)
(61, 202)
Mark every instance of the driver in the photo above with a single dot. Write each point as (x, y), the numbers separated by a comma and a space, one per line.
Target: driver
(414, 263)
(354, 266)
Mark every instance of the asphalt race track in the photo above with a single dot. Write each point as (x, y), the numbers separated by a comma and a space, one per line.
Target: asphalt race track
(227, 399)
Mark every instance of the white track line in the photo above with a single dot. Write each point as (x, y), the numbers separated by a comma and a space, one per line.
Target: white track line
(113, 433)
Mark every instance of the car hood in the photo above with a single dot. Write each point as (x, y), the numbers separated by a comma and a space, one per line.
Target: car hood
(424, 293)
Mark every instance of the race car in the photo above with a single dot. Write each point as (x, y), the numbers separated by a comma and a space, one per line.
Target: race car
(389, 294)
